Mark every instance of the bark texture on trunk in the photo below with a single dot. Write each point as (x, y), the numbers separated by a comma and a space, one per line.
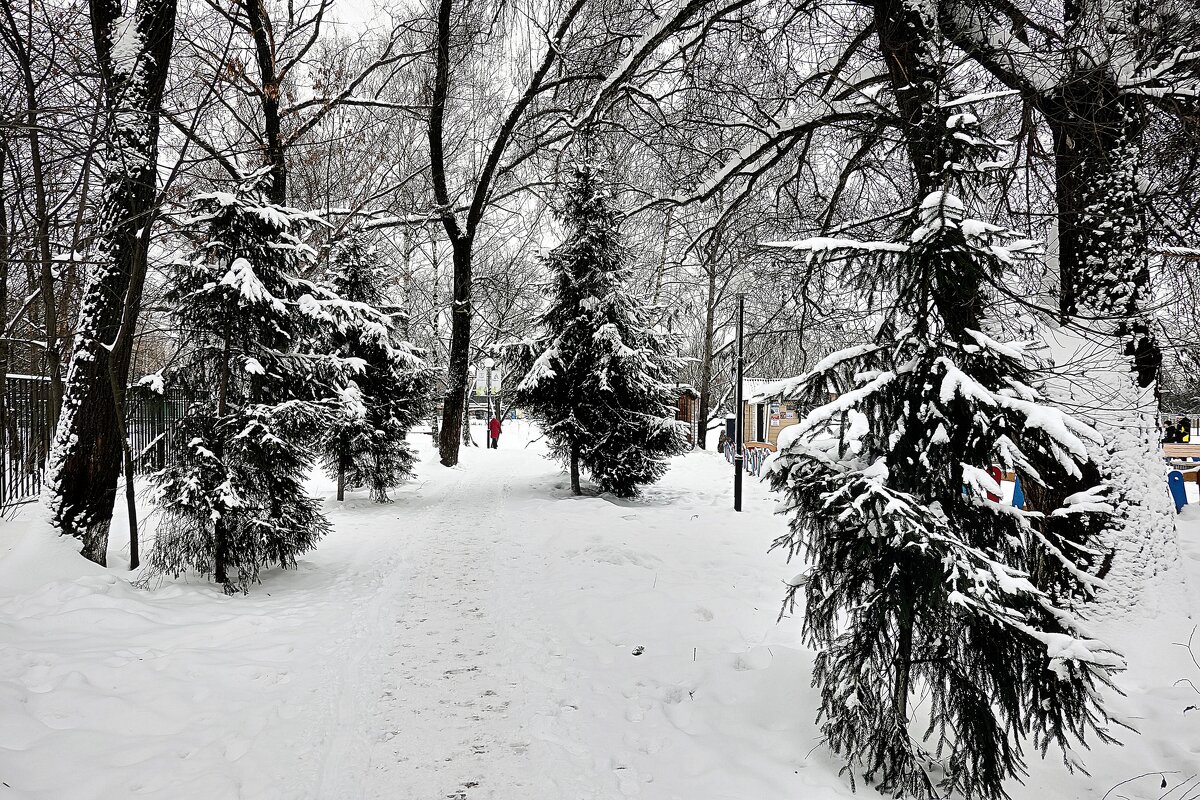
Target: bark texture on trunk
(3, 304)
(466, 422)
(706, 364)
(264, 54)
(1104, 268)
(905, 37)
(86, 462)
(1097, 125)
(575, 488)
(460, 342)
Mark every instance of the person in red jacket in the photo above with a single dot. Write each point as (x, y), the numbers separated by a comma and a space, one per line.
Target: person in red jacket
(494, 433)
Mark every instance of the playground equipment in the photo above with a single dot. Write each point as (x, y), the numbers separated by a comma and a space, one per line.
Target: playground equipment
(756, 454)
(1184, 459)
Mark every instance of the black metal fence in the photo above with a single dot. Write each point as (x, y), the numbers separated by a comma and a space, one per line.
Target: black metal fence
(25, 433)
(24, 437)
(149, 420)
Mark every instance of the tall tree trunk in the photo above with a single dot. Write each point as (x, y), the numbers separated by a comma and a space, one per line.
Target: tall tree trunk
(460, 243)
(86, 462)
(460, 343)
(462, 235)
(906, 42)
(706, 362)
(264, 54)
(1105, 277)
(118, 398)
(1103, 258)
(3, 315)
(435, 333)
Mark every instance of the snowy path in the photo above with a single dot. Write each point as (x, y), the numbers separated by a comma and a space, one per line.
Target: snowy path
(435, 707)
(475, 639)
(485, 636)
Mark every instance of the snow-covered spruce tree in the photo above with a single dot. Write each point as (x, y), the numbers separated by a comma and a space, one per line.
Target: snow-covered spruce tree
(596, 376)
(234, 500)
(366, 443)
(918, 585)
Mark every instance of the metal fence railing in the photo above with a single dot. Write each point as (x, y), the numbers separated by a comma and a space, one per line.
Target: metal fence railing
(25, 433)
(24, 437)
(149, 420)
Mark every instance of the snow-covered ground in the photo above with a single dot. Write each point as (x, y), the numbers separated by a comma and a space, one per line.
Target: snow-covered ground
(486, 636)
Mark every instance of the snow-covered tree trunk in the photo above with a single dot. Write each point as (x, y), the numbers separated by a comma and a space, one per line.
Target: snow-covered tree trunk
(706, 362)
(1145, 570)
(4, 260)
(134, 52)
(1097, 377)
(906, 42)
(466, 420)
(1080, 87)
(1105, 287)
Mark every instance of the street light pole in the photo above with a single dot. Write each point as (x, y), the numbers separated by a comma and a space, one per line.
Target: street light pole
(488, 363)
(741, 422)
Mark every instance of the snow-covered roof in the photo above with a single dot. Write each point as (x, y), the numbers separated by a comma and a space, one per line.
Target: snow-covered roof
(758, 390)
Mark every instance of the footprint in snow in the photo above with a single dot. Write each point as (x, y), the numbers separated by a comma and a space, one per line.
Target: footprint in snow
(627, 780)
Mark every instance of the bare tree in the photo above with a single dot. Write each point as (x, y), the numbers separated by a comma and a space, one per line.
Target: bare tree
(572, 80)
(134, 54)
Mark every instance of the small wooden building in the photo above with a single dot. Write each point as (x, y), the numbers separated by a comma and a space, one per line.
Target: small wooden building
(687, 408)
(765, 414)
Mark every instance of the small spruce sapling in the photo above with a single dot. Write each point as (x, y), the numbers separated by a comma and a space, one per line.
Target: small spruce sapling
(597, 374)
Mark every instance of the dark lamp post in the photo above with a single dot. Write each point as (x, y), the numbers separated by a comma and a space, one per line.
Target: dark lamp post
(488, 363)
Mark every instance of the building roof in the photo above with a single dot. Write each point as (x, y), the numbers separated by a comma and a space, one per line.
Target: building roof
(760, 390)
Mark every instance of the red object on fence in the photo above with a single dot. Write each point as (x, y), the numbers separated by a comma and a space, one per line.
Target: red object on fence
(995, 472)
